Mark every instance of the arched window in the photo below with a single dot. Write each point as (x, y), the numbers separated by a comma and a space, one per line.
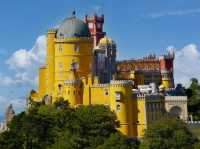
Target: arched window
(118, 108)
(60, 49)
(77, 48)
(74, 65)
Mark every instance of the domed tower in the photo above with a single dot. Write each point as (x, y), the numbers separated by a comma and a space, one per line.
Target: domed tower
(69, 58)
(105, 59)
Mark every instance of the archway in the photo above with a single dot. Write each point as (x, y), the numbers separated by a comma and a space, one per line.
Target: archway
(175, 111)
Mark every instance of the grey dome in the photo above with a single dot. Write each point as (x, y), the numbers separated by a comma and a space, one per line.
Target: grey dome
(73, 27)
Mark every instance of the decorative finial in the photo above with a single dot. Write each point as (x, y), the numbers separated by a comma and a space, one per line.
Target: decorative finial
(73, 13)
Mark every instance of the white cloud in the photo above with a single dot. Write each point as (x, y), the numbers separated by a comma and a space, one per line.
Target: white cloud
(173, 13)
(25, 63)
(187, 64)
(23, 59)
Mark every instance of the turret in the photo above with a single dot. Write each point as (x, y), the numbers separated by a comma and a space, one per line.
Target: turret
(166, 68)
(105, 59)
(95, 24)
(50, 60)
(121, 102)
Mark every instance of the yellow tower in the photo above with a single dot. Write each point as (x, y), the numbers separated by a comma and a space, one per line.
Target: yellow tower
(121, 102)
(50, 61)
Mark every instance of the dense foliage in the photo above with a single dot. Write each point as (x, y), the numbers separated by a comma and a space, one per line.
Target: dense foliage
(58, 126)
(193, 93)
(169, 133)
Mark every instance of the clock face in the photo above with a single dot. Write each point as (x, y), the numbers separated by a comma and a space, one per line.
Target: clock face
(91, 25)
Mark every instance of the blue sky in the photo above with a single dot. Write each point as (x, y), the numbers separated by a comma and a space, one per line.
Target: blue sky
(139, 27)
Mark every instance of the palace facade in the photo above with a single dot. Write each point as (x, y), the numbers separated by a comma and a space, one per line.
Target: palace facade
(81, 67)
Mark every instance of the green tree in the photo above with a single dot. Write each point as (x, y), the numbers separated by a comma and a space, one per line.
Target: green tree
(193, 93)
(90, 127)
(119, 141)
(60, 126)
(169, 133)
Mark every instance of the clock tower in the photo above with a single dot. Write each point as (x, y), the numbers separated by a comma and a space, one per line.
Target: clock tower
(95, 24)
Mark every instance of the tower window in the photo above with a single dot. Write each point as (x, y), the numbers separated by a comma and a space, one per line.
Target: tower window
(118, 107)
(59, 87)
(60, 48)
(74, 66)
(106, 92)
(117, 96)
(91, 25)
(60, 65)
(77, 48)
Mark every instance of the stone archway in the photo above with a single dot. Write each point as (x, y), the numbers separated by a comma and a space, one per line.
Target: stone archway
(177, 106)
(175, 111)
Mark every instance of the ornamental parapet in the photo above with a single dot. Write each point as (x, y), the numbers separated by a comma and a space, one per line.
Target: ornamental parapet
(122, 82)
(52, 30)
(149, 97)
(72, 82)
(74, 39)
(176, 98)
(100, 85)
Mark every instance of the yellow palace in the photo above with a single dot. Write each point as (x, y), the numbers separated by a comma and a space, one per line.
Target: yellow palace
(71, 72)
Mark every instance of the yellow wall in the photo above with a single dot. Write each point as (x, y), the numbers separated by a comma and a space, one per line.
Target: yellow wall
(141, 118)
(42, 82)
(50, 61)
(124, 113)
(66, 52)
(166, 83)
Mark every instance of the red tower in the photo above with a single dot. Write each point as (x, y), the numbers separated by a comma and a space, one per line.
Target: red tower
(167, 69)
(95, 24)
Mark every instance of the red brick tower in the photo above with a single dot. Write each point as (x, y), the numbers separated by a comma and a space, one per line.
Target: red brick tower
(95, 24)
(167, 70)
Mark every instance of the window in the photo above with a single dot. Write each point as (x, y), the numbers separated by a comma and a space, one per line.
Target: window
(118, 107)
(77, 48)
(74, 66)
(59, 87)
(106, 92)
(91, 25)
(117, 96)
(60, 65)
(60, 48)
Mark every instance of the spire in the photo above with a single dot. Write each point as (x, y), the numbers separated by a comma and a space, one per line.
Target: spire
(9, 113)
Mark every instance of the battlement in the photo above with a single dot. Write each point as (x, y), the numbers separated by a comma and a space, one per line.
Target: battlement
(123, 83)
(73, 39)
(72, 82)
(147, 97)
(169, 55)
(52, 31)
(94, 18)
(100, 85)
(176, 98)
